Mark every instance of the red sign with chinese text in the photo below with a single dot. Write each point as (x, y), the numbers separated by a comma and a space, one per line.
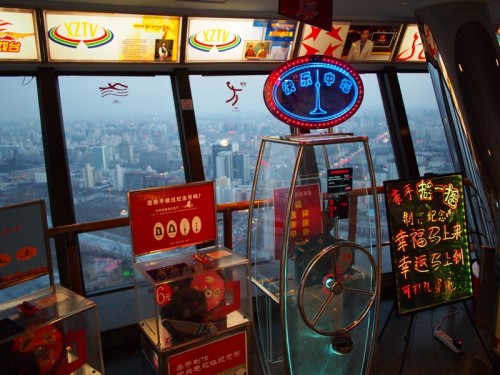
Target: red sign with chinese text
(172, 216)
(225, 356)
(24, 244)
(305, 220)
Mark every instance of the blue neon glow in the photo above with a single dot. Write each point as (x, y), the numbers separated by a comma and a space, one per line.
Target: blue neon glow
(315, 74)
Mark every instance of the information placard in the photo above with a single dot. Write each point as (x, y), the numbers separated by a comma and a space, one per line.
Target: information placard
(23, 243)
(429, 243)
(172, 216)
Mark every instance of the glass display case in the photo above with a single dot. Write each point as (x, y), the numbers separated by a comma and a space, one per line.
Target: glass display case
(314, 247)
(52, 331)
(193, 299)
(193, 295)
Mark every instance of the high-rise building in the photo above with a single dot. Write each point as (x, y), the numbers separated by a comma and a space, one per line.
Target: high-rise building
(241, 167)
(126, 152)
(118, 178)
(88, 176)
(224, 164)
(216, 149)
(100, 157)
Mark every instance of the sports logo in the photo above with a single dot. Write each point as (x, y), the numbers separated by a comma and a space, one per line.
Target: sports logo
(222, 40)
(71, 34)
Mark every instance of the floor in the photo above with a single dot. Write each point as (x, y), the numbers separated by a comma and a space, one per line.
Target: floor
(405, 344)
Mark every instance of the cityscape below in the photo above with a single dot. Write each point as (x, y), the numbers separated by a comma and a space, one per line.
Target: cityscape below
(111, 157)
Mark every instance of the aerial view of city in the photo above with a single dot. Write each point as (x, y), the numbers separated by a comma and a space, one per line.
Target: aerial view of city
(109, 156)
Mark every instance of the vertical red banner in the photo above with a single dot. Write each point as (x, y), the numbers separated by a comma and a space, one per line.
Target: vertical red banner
(313, 12)
(306, 215)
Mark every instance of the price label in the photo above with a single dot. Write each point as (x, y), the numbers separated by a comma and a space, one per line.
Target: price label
(163, 294)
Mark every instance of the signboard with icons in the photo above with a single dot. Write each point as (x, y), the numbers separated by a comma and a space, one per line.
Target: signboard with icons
(170, 217)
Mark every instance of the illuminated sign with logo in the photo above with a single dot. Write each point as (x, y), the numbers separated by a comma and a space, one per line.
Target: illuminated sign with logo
(429, 243)
(71, 34)
(235, 39)
(313, 92)
(411, 48)
(221, 40)
(82, 36)
(18, 36)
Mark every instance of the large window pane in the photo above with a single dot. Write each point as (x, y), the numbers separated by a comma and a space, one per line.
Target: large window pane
(370, 121)
(121, 134)
(22, 164)
(426, 127)
(231, 116)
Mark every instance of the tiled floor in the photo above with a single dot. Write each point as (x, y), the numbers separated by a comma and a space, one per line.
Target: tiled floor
(399, 350)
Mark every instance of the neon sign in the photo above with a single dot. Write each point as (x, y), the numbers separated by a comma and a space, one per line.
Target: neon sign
(313, 92)
(429, 244)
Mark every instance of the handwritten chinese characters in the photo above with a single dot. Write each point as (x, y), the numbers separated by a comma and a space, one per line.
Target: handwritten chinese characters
(429, 245)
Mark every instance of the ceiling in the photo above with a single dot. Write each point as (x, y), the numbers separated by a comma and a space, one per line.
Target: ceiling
(343, 10)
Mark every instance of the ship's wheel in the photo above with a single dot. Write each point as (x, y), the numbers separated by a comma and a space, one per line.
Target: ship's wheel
(355, 290)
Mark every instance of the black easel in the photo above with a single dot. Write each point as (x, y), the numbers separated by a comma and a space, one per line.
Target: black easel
(407, 337)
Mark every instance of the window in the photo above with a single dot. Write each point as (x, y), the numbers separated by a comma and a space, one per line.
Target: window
(22, 165)
(121, 134)
(231, 116)
(426, 127)
(370, 121)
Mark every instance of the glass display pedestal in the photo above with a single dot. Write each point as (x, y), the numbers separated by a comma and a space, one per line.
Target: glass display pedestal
(52, 331)
(314, 245)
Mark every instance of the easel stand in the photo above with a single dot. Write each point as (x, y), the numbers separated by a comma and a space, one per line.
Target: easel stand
(409, 332)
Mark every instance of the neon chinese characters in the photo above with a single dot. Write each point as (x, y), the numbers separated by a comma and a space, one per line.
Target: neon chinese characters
(429, 244)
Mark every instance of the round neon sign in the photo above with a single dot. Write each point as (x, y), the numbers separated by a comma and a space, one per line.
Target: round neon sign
(313, 92)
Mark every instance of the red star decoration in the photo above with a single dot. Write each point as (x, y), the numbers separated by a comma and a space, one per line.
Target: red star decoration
(334, 33)
(330, 49)
(313, 34)
(310, 50)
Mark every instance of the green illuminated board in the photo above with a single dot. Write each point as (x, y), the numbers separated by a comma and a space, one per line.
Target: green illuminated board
(429, 243)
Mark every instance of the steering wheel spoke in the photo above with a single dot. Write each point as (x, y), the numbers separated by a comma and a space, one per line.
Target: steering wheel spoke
(340, 293)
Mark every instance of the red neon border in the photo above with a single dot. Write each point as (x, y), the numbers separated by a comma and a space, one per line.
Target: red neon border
(276, 74)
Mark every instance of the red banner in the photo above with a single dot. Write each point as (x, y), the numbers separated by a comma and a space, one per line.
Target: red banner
(313, 12)
(225, 356)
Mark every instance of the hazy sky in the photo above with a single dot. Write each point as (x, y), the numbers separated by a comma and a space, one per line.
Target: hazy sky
(143, 96)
